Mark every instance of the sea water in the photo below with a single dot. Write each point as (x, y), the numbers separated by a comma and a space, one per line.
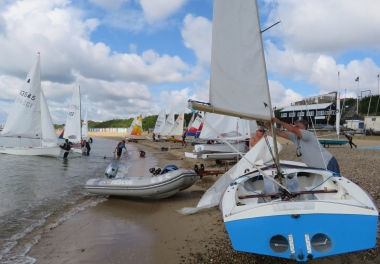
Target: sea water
(38, 194)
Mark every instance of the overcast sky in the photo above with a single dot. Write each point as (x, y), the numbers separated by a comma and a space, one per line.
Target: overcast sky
(138, 56)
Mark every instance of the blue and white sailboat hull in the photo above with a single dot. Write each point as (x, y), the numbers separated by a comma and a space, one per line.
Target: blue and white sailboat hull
(312, 225)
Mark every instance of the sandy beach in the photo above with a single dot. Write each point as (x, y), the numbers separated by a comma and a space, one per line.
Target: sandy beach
(98, 234)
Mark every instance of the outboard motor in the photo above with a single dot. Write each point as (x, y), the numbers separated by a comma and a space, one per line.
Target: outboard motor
(111, 170)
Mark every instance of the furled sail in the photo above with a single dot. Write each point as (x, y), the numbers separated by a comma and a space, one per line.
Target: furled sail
(24, 118)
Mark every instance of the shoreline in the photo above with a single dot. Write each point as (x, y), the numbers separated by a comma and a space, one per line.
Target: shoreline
(198, 238)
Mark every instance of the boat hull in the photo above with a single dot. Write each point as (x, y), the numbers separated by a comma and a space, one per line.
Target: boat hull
(34, 151)
(328, 142)
(328, 215)
(79, 150)
(204, 148)
(213, 156)
(156, 187)
(348, 233)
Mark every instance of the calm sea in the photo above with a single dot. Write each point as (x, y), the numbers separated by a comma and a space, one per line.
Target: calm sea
(39, 193)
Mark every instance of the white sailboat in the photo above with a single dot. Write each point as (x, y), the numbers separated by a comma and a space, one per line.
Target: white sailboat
(282, 209)
(169, 123)
(160, 122)
(30, 118)
(73, 123)
(233, 129)
(85, 127)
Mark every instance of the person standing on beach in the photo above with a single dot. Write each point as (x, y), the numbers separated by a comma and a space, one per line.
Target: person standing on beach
(308, 147)
(183, 139)
(90, 139)
(88, 147)
(258, 136)
(349, 137)
(154, 137)
(119, 149)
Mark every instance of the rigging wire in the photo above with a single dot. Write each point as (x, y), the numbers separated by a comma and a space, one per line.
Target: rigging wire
(241, 154)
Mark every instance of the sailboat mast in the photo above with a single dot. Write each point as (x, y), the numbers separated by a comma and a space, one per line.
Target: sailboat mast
(80, 115)
(276, 156)
(39, 81)
(337, 111)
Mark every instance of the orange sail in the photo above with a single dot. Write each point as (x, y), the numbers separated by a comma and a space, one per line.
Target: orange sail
(137, 129)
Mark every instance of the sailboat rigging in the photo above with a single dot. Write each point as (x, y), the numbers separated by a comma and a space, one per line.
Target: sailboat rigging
(248, 193)
(30, 106)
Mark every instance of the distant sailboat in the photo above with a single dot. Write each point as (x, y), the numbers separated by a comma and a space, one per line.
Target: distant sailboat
(30, 118)
(85, 127)
(72, 130)
(137, 127)
(160, 122)
(169, 123)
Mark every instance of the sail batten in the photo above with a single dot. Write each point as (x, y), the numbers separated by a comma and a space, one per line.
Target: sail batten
(238, 78)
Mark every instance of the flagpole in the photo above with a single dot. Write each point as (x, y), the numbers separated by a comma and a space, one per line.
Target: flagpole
(357, 100)
(337, 111)
(378, 93)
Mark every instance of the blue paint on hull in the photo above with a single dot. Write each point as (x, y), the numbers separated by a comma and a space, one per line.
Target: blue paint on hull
(332, 142)
(348, 233)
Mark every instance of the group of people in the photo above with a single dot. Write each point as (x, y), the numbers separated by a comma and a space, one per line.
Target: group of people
(68, 145)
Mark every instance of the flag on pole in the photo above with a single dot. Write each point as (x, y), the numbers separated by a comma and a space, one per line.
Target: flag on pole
(357, 79)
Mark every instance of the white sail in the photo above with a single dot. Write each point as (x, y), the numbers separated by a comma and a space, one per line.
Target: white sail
(169, 123)
(129, 130)
(244, 91)
(230, 128)
(177, 129)
(160, 122)
(24, 118)
(73, 120)
(85, 127)
(49, 137)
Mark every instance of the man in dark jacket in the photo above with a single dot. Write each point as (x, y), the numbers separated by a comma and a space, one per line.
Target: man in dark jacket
(66, 147)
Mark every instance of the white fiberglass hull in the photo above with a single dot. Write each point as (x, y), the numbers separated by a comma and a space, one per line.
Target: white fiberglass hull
(321, 220)
(213, 156)
(32, 151)
(156, 187)
(79, 150)
(201, 148)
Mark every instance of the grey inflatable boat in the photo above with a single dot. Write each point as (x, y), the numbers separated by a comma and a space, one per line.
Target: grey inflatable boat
(161, 184)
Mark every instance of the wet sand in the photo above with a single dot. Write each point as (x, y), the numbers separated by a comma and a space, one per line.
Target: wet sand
(100, 233)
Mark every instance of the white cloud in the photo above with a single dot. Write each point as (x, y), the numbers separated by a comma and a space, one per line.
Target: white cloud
(196, 34)
(327, 26)
(282, 97)
(175, 99)
(114, 84)
(156, 10)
